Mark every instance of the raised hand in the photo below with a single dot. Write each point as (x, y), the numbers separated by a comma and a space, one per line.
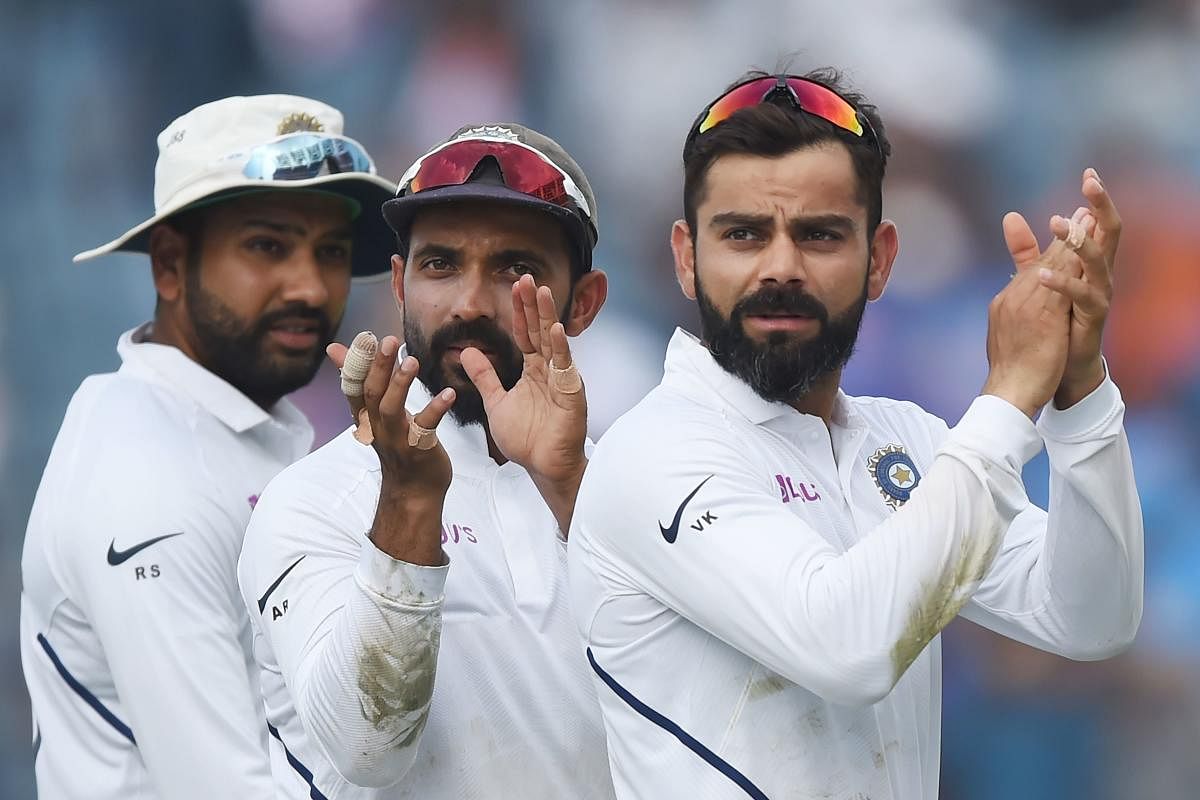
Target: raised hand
(416, 471)
(1028, 323)
(1090, 293)
(1088, 284)
(541, 423)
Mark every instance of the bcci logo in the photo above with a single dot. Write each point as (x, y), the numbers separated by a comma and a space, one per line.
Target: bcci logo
(895, 474)
(490, 132)
(300, 121)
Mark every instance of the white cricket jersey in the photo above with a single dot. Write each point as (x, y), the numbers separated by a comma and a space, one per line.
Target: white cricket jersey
(761, 594)
(347, 638)
(134, 640)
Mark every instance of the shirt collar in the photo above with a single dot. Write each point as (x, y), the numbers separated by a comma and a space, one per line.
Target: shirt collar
(168, 366)
(689, 361)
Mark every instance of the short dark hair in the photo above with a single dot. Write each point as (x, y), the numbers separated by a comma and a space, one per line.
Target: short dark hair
(776, 128)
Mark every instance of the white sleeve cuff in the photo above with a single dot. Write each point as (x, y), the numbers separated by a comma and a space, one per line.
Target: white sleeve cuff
(1088, 419)
(998, 430)
(399, 582)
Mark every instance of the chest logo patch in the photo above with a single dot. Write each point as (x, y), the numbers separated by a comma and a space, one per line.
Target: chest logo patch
(894, 473)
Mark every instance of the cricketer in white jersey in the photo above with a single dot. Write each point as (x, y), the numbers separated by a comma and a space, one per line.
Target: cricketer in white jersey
(760, 564)
(407, 582)
(341, 629)
(134, 640)
(134, 643)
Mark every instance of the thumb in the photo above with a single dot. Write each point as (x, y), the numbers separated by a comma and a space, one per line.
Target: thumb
(337, 354)
(1022, 244)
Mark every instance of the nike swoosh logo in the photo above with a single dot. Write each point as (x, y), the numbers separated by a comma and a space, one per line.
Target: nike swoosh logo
(117, 557)
(262, 601)
(670, 533)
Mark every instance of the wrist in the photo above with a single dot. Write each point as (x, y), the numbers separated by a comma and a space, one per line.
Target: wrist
(402, 489)
(1017, 399)
(561, 491)
(408, 524)
(1079, 383)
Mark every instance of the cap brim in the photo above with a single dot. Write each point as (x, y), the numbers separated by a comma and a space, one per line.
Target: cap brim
(374, 242)
(399, 211)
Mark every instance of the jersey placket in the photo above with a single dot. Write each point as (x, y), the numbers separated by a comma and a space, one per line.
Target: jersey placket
(519, 512)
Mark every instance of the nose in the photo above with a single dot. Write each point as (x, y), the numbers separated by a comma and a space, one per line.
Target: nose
(474, 297)
(782, 262)
(305, 281)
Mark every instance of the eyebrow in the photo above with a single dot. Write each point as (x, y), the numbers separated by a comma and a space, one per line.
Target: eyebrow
(519, 254)
(734, 218)
(438, 250)
(344, 232)
(839, 222)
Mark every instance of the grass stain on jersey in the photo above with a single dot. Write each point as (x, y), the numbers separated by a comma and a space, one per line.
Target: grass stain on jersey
(944, 599)
(395, 684)
(767, 685)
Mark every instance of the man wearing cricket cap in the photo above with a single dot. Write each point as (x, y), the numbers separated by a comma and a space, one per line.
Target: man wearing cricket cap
(414, 546)
(134, 643)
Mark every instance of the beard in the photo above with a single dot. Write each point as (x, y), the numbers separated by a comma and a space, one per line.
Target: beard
(436, 374)
(780, 368)
(236, 350)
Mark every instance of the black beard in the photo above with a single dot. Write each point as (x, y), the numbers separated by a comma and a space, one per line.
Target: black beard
(234, 350)
(780, 369)
(436, 375)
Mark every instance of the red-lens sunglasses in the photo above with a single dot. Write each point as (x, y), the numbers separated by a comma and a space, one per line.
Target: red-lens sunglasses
(809, 96)
(522, 168)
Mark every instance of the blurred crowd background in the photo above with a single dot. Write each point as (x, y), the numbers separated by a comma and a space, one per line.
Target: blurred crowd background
(990, 107)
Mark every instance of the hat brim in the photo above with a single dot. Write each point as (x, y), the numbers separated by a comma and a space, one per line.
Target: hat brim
(374, 242)
(400, 211)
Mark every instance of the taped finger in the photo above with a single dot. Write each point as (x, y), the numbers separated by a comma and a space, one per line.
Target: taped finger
(358, 363)
(566, 381)
(421, 438)
(423, 435)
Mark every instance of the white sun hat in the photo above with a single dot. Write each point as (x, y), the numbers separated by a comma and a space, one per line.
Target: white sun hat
(265, 142)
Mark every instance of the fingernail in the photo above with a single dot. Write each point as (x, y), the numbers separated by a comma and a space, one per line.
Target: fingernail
(1079, 214)
(447, 395)
(1045, 274)
(388, 346)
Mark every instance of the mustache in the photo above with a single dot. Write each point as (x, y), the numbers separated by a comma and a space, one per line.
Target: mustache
(780, 300)
(293, 311)
(480, 331)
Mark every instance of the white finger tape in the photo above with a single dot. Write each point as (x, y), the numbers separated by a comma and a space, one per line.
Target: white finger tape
(358, 362)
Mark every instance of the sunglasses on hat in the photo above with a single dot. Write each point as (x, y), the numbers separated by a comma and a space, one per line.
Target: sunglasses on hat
(303, 156)
(808, 96)
(522, 168)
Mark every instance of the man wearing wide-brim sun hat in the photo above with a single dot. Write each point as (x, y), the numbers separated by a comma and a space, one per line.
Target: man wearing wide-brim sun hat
(135, 645)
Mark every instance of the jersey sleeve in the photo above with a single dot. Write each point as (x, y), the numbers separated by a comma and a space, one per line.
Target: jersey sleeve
(845, 625)
(1070, 580)
(159, 586)
(355, 633)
